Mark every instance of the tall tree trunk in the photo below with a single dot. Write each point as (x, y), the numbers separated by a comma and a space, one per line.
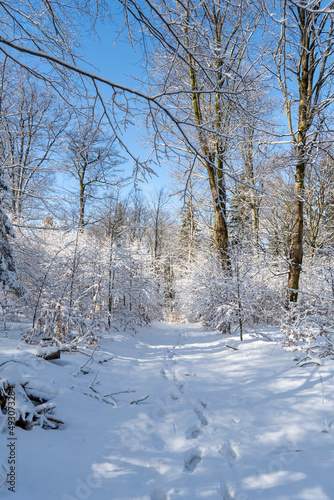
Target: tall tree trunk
(305, 118)
(220, 229)
(215, 171)
(312, 69)
(296, 249)
(81, 208)
(212, 153)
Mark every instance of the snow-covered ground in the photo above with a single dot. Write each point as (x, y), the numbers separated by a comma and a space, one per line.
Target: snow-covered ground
(177, 413)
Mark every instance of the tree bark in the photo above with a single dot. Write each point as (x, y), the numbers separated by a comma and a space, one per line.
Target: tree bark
(220, 229)
(296, 249)
(305, 118)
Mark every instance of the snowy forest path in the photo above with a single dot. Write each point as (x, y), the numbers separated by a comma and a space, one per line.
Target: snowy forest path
(218, 403)
(184, 414)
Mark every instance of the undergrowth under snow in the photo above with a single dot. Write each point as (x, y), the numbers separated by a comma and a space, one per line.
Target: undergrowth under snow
(174, 412)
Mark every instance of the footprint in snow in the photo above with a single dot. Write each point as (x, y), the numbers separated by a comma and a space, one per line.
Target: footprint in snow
(164, 373)
(157, 442)
(192, 458)
(170, 354)
(181, 387)
(158, 413)
(235, 420)
(198, 410)
(174, 397)
(158, 495)
(230, 451)
(193, 432)
(227, 492)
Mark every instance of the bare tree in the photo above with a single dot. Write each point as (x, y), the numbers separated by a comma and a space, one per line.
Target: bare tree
(277, 214)
(211, 45)
(91, 160)
(251, 158)
(304, 66)
(205, 61)
(319, 204)
(31, 126)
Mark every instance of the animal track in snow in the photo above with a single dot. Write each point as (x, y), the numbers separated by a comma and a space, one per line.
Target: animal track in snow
(192, 458)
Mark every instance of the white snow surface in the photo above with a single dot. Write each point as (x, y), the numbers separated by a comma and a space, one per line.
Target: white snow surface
(213, 422)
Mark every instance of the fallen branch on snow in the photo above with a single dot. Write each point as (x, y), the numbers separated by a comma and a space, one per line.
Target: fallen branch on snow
(138, 401)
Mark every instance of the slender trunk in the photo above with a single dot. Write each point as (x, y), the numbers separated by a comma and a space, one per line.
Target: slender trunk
(247, 152)
(110, 294)
(255, 220)
(82, 208)
(111, 271)
(192, 234)
(82, 197)
(72, 278)
(254, 207)
(296, 249)
(221, 237)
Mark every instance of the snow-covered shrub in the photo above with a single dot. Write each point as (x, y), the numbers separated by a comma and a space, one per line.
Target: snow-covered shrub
(96, 281)
(12, 308)
(222, 299)
(57, 325)
(307, 320)
(8, 272)
(129, 292)
(311, 320)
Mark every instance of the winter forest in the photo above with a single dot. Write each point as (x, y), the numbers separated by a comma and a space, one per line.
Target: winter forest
(108, 272)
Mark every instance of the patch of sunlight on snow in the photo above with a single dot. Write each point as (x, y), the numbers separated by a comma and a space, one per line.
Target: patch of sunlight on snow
(293, 433)
(209, 493)
(108, 470)
(152, 346)
(141, 462)
(133, 465)
(282, 385)
(270, 480)
(313, 494)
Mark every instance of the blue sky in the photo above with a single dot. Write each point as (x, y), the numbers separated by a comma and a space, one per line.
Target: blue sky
(119, 62)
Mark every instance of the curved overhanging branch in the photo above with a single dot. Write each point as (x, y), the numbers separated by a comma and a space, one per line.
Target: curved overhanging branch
(97, 78)
(153, 100)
